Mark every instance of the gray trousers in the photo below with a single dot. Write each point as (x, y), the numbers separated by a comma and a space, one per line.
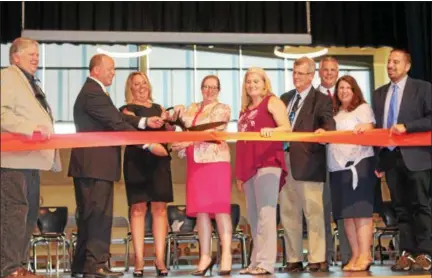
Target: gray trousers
(19, 195)
(261, 200)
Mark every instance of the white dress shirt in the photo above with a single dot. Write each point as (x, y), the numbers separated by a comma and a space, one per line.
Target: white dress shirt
(323, 90)
(303, 96)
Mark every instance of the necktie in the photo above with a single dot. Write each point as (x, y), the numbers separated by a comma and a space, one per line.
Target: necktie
(40, 96)
(392, 111)
(294, 109)
(329, 93)
(291, 117)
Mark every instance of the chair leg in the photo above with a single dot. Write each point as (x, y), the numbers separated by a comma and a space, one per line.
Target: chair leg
(168, 252)
(244, 252)
(127, 256)
(380, 248)
(284, 259)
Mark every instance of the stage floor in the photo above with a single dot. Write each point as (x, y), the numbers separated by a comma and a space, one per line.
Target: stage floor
(382, 271)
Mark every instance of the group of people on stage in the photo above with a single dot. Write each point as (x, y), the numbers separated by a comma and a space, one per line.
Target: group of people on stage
(317, 181)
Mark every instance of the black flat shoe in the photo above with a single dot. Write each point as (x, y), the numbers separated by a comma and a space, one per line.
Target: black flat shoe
(138, 273)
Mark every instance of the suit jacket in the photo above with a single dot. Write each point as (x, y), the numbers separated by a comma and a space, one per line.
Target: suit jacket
(309, 159)
(415, 113)
(21, 113)
(95, 111)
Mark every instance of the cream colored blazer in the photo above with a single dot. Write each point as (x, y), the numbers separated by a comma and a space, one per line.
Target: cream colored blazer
(21, 112)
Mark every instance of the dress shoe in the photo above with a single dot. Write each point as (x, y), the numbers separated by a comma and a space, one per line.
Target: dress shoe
(404, 263)
(103, 272)
(294, 267)
(22, 272)
(422, 263)
(77, 275)
(317, 267)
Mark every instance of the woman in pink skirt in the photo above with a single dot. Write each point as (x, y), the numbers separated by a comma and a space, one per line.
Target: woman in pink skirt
(208, 185)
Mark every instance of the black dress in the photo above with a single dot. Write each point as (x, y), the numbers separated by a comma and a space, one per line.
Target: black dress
(147, 176)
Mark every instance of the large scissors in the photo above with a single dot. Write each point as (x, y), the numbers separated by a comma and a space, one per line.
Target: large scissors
(202, 127)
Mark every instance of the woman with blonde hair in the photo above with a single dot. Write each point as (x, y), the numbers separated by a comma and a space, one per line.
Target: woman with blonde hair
(147, 174)
(260, 166)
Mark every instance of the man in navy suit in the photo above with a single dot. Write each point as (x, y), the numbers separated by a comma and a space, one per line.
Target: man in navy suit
(405, 106)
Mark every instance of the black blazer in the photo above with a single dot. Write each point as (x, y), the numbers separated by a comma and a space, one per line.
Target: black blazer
(309, 159)
(415, 113)
(94, 111)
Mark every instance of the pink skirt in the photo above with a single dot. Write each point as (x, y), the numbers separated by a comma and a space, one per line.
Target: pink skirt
(208, 187)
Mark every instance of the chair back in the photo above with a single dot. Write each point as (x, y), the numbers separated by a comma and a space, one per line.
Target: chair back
(120, 222)
(235, 217)
(52, 220)
(179, 213)
(388, 214)
(148, 223)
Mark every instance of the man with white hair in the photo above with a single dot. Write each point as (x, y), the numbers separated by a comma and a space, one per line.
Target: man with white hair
(308, 111)
(25, 111)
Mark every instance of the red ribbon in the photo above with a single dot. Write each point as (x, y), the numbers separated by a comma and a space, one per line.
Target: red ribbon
(376, 137)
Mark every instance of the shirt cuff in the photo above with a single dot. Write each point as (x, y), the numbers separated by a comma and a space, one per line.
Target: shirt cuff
(142, 123)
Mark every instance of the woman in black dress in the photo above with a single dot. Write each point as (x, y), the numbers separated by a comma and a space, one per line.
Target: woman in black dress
(147, 174)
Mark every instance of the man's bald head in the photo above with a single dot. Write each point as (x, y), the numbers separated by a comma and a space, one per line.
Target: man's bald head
(102, 67)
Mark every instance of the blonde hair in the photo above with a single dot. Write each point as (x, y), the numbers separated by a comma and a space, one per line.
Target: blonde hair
(245, 98)
(18, 45)
(128, 91)
(329, 59)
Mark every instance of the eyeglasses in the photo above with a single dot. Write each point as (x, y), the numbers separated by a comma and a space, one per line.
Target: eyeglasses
(301, 73)
(210, 87)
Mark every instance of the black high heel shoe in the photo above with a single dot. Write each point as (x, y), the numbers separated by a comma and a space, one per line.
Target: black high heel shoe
(138, 273)
(204, 271)
(160, 272)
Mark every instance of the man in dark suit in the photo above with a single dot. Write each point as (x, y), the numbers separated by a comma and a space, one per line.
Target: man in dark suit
(95, 169)
(309, 110)
(405, 106)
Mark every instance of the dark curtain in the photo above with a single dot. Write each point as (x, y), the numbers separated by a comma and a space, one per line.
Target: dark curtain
(406, 25)
(244, 17)
(396, 24)
(10, 15)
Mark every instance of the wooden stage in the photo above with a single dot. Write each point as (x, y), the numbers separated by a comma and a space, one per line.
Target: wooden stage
(382, 271)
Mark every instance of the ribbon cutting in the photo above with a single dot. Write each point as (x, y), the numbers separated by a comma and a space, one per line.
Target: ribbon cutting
(377, 137)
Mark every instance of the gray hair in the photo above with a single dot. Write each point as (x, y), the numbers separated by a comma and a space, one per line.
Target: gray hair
(306, 60)
(18, 45)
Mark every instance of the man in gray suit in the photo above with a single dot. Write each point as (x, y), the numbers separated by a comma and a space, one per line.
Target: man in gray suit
(25, 111)
(405, 106)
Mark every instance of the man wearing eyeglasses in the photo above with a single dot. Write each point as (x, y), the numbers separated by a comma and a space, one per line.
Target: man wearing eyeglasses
(308, 110)
(25, 111)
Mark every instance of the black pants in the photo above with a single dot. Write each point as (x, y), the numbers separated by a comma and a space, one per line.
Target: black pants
(410, 194)
(94, 200)
(19, 196)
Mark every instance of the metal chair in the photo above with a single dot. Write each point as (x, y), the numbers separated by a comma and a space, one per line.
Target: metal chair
(185, 234)
(238, 234)
(121, 222)
(51, 223)
(390, 230)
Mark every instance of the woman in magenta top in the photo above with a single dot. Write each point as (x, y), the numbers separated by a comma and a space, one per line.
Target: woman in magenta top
(208, 178)
(260, 166)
